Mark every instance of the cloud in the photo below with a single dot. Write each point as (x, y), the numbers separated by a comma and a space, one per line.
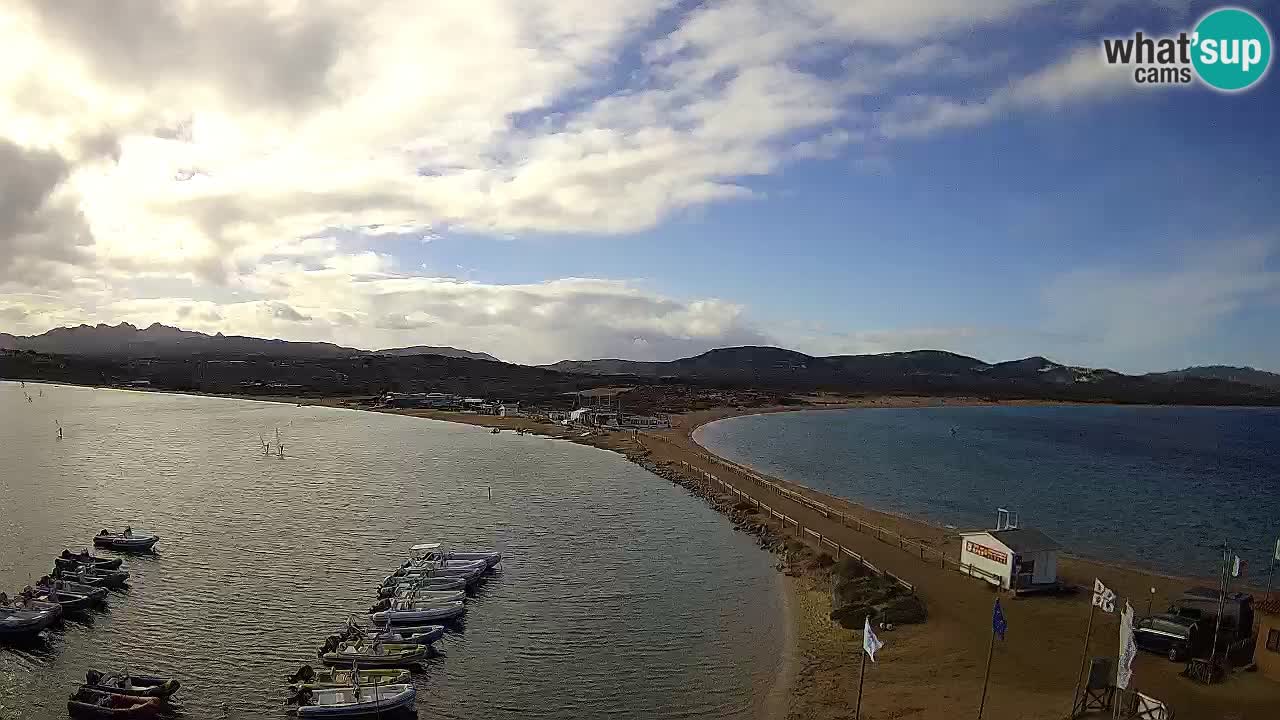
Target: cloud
(1123, 313)
(1078, 76)
(216, 148)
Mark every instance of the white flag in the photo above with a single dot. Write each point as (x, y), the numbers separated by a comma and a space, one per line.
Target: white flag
(870, 643)
(1102, 597)
(1235, 567)
(1124, 671)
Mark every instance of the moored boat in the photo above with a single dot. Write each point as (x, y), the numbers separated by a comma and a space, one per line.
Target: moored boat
(346, 653)
(127, 541)
(422, 583)
(97, 578)
(89, 703)
(421, 634)
(131, 684)
(418, 599)
(71, 601)
(308, 676)
(427, 552)
(442, 613)
(347, 702)
(70, 561)
(23, 622)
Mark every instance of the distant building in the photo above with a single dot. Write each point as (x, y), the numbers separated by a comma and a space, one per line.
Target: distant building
(1266, 653)
(421, 400)
(1014, 558)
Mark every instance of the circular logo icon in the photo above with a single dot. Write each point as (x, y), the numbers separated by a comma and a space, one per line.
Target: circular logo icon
(1232, 49)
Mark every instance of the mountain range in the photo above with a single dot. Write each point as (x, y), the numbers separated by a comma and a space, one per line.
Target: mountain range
(113, 350)
(158, 340)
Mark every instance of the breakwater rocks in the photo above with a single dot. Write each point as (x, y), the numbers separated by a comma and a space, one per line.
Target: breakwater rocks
(795, 557)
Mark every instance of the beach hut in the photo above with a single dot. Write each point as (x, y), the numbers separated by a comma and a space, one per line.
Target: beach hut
(1266, 653)
(1014, 558)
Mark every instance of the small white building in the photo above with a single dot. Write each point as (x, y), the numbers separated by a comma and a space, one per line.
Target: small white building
(1019, 559)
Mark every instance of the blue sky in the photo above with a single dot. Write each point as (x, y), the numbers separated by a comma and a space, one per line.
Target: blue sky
(835, 177)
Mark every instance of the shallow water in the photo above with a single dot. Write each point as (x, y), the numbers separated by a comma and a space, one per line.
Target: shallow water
(1150, 486)
(619, 596)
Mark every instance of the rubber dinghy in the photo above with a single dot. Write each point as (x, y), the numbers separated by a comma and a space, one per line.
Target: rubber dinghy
(24, 622)
(423, 634)
(425, 599)
(131, 684)
(436, 552)
(70, 561)
(370, 701)
(442, 613)
(70, 600)
(127, 541)
(347, 653)
(86, 703)
(423, 583)
(309, 677)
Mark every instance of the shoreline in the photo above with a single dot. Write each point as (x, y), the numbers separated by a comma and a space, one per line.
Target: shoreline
(926, 671)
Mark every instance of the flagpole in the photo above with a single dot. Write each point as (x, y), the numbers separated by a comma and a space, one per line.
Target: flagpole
(1084, 658)
(986, 678)
(862, 675)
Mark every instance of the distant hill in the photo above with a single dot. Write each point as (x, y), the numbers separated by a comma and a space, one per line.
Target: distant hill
(780, 364)
(924, 372)
(1246, 375)
(158, 340)
(443, 351)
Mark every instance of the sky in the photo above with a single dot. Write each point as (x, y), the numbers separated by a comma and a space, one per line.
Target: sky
(575, 179)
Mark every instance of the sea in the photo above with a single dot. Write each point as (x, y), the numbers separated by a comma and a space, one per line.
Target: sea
(1161, 488)
(618, 596)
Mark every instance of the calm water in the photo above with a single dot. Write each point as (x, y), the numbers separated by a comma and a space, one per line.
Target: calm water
(620, 596)
(1144, 485)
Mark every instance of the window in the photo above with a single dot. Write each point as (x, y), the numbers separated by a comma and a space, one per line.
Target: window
(1273, 641)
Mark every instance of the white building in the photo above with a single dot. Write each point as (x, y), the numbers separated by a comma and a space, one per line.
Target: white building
(1014, 558)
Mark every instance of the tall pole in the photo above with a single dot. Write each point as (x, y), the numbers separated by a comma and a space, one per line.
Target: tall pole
(1222, 601)
(1084, 658)
(862, 676)
(987, 678)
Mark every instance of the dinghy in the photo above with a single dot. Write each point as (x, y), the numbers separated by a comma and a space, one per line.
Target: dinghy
(437, 552)
(423, 583)
(70, 561)
(126, 541)
(423, 599)
(442, 613)
(309, 677)
(87, 703)
(361, 701)
(19, 622)
(46, 583)
(70, 600)
(420, 634)
(346, 653)
(130, 684)
(97, 578)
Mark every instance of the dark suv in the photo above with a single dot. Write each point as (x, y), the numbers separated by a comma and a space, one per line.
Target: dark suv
(1172, 635)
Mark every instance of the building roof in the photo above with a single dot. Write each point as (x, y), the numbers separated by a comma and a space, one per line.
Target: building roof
(1025, 540)
(1269, 604)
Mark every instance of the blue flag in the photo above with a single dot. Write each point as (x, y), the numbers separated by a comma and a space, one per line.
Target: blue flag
(998, 623)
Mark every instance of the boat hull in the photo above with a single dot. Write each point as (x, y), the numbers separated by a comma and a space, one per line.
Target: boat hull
(396, 656)
(371, 703)
(15, 623)
(126, 544)
(138, 685)
(89, 562)
(445, 613)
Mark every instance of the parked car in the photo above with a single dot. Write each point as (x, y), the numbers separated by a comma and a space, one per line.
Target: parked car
(1201, 604)
(1174, 636)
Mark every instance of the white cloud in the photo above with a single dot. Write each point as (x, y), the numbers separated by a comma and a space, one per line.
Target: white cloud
(1124, 314)
(215, 148)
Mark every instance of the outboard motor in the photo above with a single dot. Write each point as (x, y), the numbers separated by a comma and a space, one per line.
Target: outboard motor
(93, 677)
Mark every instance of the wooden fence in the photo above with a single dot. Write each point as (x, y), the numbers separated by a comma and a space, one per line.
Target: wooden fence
(926, 553)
